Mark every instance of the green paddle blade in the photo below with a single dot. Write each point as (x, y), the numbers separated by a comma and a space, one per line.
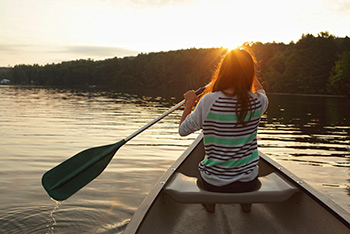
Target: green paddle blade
(67, 178)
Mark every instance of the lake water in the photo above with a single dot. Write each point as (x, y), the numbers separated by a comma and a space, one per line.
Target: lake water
(41, 127)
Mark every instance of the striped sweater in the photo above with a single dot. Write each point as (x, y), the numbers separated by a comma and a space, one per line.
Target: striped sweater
(231, 148)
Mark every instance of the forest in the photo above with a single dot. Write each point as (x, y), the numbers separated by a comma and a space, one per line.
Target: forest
(313, 65)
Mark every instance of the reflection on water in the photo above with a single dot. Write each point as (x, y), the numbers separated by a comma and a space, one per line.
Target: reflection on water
(41, 127)
(311, 136)
(314, 127)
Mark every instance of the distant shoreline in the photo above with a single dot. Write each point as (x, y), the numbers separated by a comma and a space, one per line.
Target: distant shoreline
(143, 93)
(309, 95)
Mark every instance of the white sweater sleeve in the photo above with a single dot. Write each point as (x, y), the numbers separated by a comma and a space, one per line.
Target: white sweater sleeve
(194, 121)
(263, 99)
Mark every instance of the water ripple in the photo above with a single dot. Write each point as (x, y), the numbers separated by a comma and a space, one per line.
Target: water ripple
(41, 127)
(63, 219)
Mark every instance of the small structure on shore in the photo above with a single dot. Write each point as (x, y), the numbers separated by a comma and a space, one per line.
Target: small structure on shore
(5, 81)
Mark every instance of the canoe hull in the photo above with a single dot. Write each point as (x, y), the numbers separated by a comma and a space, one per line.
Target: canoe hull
(306, 211)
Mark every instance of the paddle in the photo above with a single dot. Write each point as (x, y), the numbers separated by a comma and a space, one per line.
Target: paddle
(67, 178)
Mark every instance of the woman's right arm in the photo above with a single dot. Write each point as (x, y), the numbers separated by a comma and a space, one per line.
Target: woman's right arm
(257, 84)
(262, 95)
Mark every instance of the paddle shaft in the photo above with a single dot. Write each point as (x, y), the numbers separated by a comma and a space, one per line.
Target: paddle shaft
(67, 178)
(177, 106)
(84, 167)
(96, 159)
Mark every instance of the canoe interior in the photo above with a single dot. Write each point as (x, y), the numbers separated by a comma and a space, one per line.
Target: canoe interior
(304, 212)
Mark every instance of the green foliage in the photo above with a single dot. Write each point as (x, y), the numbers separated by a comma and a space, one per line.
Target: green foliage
(302, 67)
(317, 65)
(5, 73)
(339, 82)
(169, 73)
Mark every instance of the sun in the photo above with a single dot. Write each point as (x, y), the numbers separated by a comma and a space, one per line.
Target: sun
(229, 48)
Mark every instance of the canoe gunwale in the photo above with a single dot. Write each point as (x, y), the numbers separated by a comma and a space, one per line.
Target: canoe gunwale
(320, 198)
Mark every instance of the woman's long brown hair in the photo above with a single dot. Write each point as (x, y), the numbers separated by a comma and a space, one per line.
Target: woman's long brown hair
(237, 71)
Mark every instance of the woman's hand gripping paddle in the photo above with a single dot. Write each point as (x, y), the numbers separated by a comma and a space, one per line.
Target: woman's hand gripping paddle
(67, 178)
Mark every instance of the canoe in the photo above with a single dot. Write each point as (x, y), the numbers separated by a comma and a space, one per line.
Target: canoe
(283, 204)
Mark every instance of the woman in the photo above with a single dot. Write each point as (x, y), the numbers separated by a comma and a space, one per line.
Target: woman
(229, 116)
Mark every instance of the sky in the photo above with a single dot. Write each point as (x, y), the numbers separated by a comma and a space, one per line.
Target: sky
(52, 31)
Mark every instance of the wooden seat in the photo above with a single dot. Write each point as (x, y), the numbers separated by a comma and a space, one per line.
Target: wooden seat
(184, 189)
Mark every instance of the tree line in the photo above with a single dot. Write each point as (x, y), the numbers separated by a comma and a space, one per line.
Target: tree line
(313, 65)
